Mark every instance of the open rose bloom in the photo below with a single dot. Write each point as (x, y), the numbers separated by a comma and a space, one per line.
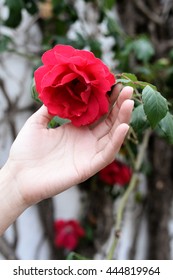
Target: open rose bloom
(116, 173)
(67, 234)
(73, 84)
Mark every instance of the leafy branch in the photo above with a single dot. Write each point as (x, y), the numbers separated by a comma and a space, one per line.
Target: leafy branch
(151, 113)
(151, 108)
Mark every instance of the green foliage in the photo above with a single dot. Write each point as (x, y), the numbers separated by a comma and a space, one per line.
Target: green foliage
(75, 256)
(15, 11)
(129, 79)
(30, 6)
(107, 4)
(114, 29)
(151, 108)
(57, 121)
(139, 119)
(143, 49)
(166, 125)
(155, 105)
(4, 42)
(34, 94)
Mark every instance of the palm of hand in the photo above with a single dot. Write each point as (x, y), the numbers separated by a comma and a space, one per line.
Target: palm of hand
(63, 156)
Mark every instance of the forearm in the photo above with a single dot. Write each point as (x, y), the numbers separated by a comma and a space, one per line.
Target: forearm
(11, 203)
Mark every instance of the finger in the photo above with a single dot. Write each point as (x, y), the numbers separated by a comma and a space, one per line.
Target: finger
(123, 115)
(123, 118)
(41, 117)
(116, 139)
(113, 95)
(107, 153)
(126, 93)
(102, 128)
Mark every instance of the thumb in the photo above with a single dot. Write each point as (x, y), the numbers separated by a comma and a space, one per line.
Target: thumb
(41, 117)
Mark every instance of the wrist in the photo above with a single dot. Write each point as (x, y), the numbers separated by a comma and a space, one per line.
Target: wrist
(11, 201)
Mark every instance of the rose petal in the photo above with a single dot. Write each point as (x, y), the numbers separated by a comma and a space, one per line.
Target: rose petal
(68, 78)
(81, 72)
(49, 58)
(52, 75)
(103, 103)
(64, 50)
(97, 76)
(109, 76)
(90, 115)
(76, 89)
(78, 61)
(38, 76)
(59, 102)
(89, 56)
(85, 95)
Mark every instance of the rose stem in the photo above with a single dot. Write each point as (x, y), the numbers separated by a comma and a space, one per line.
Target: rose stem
(131, 187)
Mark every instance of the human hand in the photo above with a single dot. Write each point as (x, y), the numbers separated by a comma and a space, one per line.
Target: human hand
(45, 162)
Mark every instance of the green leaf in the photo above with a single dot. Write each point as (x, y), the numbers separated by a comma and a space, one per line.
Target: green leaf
(113, 26)
(123, 81)
(128, 79)
(108, 4)
(155, 105)
(31, 6)
(34, 94)
(129, 76)
(75, 256)
(166, 125)
(139, 119)
(144, 84)
(4, 41)
(15, 13)
(126, 82)
(128, 48)
(57, 121)
(143, 49)
(95, 47)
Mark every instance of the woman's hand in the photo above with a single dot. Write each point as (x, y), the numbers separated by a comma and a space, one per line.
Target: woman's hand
(46, 161)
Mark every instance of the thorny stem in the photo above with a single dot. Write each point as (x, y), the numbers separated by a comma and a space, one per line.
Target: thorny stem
(131, 187)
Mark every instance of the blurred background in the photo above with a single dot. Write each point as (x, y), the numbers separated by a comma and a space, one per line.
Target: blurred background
(129, 36)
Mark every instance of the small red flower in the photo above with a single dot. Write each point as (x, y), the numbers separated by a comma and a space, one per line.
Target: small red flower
(67, 234)
(73, 84)
(115, 173)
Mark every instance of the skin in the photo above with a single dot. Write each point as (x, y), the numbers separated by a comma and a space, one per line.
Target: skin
(44, 162)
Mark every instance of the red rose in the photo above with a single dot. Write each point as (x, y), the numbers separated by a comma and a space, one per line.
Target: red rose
(67, 234)
(73, 84)
(115, 173)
